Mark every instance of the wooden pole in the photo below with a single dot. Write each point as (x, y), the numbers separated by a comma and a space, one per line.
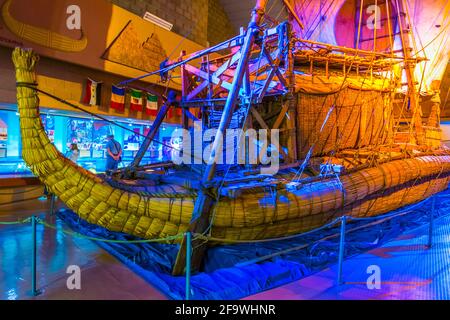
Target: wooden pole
(293, 13)
(205, 199)
(184, 92)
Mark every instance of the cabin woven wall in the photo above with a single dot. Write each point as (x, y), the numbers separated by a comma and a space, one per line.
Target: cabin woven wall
(358, 119)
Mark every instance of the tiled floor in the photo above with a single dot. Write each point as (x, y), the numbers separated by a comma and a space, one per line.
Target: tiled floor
(102, 276)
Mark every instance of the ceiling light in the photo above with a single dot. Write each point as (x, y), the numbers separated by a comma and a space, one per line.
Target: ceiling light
(158, 21)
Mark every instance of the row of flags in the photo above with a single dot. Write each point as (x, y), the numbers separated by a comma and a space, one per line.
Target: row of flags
(139, 100)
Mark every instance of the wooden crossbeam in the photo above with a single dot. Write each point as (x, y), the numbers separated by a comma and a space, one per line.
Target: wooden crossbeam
(219, 71)
(204, 75)
(224, 67)
(190, 115)
(275, 65)
(264, 125)
(281, 116)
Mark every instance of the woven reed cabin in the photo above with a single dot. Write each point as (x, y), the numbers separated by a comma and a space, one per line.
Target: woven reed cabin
(352, 138)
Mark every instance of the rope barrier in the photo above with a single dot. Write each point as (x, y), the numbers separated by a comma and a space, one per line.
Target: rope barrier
(377, 219)
(178, 64)
(15, 222)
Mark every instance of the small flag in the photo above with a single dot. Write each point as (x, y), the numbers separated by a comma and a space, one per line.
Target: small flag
(136, 100)
(151, 107)
(118, 98)
(92, 96)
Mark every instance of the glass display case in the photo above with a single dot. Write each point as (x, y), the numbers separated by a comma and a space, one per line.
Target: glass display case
(89, 135)
(49, 125)
(101, 131)
(80, 132)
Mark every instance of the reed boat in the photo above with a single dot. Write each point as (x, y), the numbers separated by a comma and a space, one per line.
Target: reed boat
(344, 149)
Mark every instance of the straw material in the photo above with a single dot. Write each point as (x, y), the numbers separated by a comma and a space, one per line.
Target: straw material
(255, 215)
(357, 119)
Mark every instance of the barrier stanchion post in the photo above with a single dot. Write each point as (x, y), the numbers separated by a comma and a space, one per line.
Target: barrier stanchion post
(34, 290)
(341, 249)
(430, 230)
(188, 264)
(52, 204)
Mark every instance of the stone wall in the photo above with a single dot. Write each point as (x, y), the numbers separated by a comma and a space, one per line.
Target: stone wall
(202, 21)
(219, 26)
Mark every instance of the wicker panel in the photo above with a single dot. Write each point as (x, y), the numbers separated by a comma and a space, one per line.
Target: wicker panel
(358, 119)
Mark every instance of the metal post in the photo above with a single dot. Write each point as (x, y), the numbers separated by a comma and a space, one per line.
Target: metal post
(34, 290)
(341, 250)
(52, 204)
(204, 202)
(188, 264)
(430, 230)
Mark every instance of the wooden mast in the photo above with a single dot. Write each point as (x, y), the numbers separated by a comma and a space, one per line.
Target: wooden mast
(206, 200)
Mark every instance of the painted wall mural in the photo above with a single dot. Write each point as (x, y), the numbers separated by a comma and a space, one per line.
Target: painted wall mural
(129, 50)
(91, 34)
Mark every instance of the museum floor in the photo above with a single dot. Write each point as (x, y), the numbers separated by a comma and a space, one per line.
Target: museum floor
(409, 270)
